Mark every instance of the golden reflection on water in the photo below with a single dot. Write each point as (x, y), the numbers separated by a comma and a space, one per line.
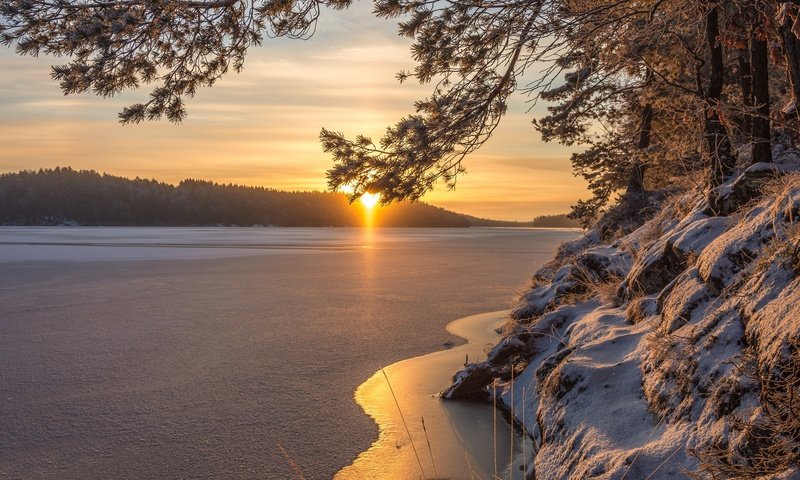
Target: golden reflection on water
(460, 434)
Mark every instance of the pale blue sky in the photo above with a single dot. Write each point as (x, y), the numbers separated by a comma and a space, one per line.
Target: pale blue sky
(261, 127)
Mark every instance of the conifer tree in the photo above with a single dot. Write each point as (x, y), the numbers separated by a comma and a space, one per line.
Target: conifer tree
(636, 86)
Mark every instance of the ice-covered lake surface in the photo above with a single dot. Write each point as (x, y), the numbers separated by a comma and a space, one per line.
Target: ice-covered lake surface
(200, 352)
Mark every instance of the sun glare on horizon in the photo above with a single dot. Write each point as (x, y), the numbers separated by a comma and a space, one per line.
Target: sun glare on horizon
(369, 200)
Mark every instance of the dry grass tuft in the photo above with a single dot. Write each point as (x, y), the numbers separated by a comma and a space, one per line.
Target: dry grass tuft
(638, 309)
(769, 442)
(593, 285)
(674, 207)
(669, 374)
(785, 190)
(781, 185)
(607, 290)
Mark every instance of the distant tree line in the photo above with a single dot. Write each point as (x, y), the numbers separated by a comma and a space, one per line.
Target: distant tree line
(542, 221)
(63, 195)
(555, 221)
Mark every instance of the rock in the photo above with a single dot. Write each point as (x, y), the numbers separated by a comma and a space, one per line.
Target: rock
(503, 351)
(730, 197)
(550, 363)
(658, 269)
(470, 383)
(678, 305)
(595, 265)
(732, 251)
(546, 297)
(669, 257)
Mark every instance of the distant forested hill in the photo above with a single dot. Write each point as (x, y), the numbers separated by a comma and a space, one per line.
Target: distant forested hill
(63, 195)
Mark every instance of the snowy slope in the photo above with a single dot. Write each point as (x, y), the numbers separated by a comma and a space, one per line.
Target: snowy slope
(673, 351)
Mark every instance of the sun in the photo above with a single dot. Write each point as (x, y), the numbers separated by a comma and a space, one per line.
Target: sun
(369, 200)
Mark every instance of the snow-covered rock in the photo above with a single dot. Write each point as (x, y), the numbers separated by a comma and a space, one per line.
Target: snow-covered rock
(593, 266)
(694, 364)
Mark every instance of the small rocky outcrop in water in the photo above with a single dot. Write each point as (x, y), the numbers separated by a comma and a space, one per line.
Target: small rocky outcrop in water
(470, 383)
(673, 350)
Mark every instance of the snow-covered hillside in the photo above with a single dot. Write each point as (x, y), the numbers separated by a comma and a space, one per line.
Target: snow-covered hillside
(673, 351)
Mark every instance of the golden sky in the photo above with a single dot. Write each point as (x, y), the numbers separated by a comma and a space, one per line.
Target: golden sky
(261, 127)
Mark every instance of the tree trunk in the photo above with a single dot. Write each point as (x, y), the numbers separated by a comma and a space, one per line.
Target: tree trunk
(761, 138)
(717, 141)
(635, 193)
(636, 179)
(791, 51)
(746, 83)
(645, 127)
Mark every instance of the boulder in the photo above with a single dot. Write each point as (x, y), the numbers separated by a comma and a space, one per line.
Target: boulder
(470, 383)
(742, 189)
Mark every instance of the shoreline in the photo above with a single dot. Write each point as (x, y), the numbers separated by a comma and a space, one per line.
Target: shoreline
(458, 439)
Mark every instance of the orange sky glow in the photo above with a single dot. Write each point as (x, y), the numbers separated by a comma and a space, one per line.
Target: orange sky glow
(261, 127)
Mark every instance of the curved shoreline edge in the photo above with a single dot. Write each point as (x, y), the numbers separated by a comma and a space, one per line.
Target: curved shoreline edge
(422, 436)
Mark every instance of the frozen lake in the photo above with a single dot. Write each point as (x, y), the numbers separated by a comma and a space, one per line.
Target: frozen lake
(194, 353)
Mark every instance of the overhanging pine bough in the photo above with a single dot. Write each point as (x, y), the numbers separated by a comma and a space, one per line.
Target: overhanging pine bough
(477, 51)
(473, 52)
(178, 45)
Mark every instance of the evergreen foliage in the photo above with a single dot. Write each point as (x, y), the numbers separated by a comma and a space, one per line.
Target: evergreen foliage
(650, 92)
